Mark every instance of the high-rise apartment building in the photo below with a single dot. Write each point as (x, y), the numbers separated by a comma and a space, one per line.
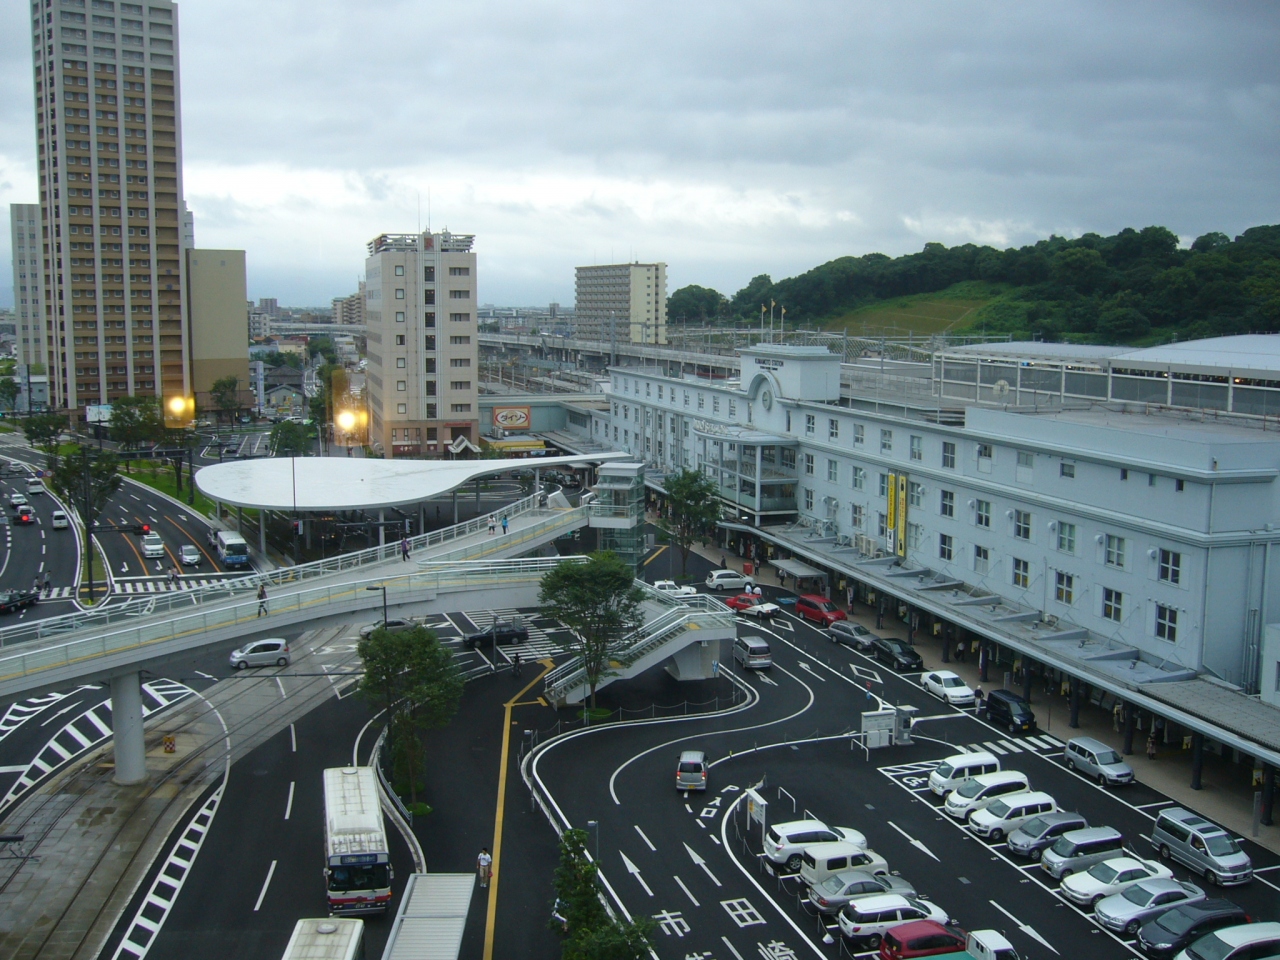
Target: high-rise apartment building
(109, 141)
(350, 309)
(28, 283)
(423, 350)
(217, 313)
(269, 305)
(621, 302)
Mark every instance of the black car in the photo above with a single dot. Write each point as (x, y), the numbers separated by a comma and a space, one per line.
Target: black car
(501, 631)
(1170, 933)
(1007, 709)
(11, 601)
(892, 652)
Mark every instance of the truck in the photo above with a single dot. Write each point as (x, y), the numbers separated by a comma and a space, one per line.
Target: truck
(357, 855)
(983, 945)
(670, 588)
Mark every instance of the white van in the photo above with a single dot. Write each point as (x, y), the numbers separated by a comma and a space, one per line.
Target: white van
(34, 487)
(752, 653)
(975, 794)
(953, 771)
(60, 520)
(1007, 814)
(822, 860)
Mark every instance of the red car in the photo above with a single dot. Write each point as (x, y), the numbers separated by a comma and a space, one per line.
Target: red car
(749, 605)
(819, 609)
(921, 938)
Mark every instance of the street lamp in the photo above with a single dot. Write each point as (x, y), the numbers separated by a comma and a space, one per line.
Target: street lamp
(594, 825)
(384, 602)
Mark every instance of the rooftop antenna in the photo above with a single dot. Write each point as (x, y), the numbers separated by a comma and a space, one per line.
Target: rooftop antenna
(419, 196)
(428, 209)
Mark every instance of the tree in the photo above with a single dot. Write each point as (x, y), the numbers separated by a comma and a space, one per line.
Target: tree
(225, 393)
(590, 933)
(600, 604)
(289, 439)
(9, 391)
(746, 302)
(693, 508)
(42, 430)
(136, 420)
(415, 680)
(88, 479)
(697, 303)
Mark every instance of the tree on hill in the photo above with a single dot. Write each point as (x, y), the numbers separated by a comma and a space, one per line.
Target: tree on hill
(697, 304)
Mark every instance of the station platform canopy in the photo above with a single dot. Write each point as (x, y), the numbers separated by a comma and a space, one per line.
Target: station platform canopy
(338, 483)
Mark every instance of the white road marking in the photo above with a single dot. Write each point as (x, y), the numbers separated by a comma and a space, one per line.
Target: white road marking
(293, 738)
(281, 686)
(729, 945)
(288, 807)
(635, 872)
(59, 713)
(16, 768)
(686, 892)
(999, 751)
(766, 679)
(207, 676)
(265, 883)
(693, 855)
(1013, 747)
(913, 841)
(646, 840)
(812, 672)
(1025, 928)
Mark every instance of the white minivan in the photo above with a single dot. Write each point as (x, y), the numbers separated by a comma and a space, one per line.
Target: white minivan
(60, 520)
(1001, 817)
(953, 771)
(34, 487)
(979, 792)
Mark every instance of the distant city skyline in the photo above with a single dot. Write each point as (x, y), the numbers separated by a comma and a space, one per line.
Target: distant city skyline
(715, 138)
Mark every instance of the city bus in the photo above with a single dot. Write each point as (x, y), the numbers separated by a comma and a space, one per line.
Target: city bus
(336, 939)
(232, 549)
(357, 855)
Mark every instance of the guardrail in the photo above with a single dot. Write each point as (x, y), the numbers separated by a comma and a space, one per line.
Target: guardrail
(402, 588)
(229, 588)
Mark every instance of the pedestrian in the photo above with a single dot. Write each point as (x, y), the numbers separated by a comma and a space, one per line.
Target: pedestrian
(484, 866)
(404, 548)
(35, 584)
(756, 590)
(880, 614)
(173, 576)
(262, 600)
(515, 664)
(493, 524)
(1117, 712)
(48, 584)
(1151, 745)
(724, 564)
(977, 697)
(960, 651)
(504, 524)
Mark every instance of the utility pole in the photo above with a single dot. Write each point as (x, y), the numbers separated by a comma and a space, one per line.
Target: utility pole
(88, 521)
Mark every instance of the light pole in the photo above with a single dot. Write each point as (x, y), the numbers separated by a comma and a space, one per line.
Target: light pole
(594, 825)
(384, 602)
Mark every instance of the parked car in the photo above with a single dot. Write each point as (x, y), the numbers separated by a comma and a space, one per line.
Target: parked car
(11, 601)
(1079, 850)
(953, 771)
(1109, 877)
(854, 634)
(189, 555)
(819, 610)
(672, 589)
(1035, 836)
(749, 605)
(949, 687)
(977, 792)
(500, 631)
(892, 652)
(60, 520)
(830, 896)
(1201, 846)
(1006, 709)
(1095, 759)
(820, 861)
(1252, 941)
(394, 625)
(691, 770)
(1127, 912)
(25, 515)
(866, 921)
(1001, 817)
(728, 580)
(261, 653)
(17, 500)
(152, 545)
(785, 842)
(1170, 933)
(921, 938)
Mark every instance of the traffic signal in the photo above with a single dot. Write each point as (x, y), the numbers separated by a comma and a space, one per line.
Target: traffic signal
(179, 411)
(142, 529)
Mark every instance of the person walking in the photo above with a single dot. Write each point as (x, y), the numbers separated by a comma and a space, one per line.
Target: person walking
(504, 524)
(262, 600)
(484, 866)
(977, 698)
(880, 614)
(1151, 745)
(515, 664)
(493, 524)
(960, 651)
(48, 584)
(404, 548)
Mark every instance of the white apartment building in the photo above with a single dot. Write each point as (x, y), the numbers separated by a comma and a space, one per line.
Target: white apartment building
(423, 348)
(621, 302)
(28, 282)
(109, 142)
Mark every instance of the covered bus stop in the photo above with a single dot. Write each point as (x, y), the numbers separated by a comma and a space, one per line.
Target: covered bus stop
(807, 579)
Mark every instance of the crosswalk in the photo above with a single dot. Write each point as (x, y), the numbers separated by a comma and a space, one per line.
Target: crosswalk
(540, 643)
(22, 711)
(164, 586)
(1042, 743)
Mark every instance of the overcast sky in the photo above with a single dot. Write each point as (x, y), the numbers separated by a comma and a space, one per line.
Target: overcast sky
(727, 139)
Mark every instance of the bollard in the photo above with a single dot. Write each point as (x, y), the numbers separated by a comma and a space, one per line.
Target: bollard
(171, 746)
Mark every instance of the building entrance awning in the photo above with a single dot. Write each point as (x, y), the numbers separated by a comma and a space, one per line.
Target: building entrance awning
(794, 568)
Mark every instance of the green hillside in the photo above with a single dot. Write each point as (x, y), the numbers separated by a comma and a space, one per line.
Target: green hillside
(919, 314)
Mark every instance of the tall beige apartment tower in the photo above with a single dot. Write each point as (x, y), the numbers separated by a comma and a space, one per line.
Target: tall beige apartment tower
(109, 142)
(621, 302)
(423, 350)
(28, 283)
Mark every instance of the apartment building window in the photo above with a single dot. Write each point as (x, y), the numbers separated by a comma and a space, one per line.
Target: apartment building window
(833, 471)
(884, 485)
(946, 546)
(985, 456)
(659, 393)
(460, 362)
(886, 441)
(460, 385)
(856, 516)
(430, 388)
(459, 271)
(915, 493)
(1124, 473)
(1024, 471)
(947, 506)
(429, 365)
(917, 447)
(1021, 573)
(810, 424)
(429, 274)
(615, 434)
(702, 402)
(915, 534)
(1067, 470)
(399, 316)
(1179, 485)
(460, 407)
(1067, 537)
(808, 464)
(833, 429)
(981, 559)
(948, 455)
(399, 293)
(1112, 604)
(400, 362)
(459, 294)
(402, 408)
(461, 340)
(431, 415)
(429, 319)
(1151, 479)
(786, 456)
(1166, 623)
(1115, 551)
(399, 339)
(1064, 587)
(401, 386)
(686, 398)
(733, 407)
(808, 499)
(1170, 567)
(715, 404)
(615, 408)
(982, 513)
(859, 435)
(1022, 524)
(881, 528)
(399, 269)
(859, 478)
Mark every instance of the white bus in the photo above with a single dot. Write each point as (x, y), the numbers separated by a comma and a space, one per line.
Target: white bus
(336, 939)
(357, 855)
(232, 549)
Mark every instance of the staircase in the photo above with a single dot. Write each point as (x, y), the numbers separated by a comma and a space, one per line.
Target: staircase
(700, 619)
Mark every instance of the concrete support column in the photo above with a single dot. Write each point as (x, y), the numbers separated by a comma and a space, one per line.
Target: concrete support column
(982, 660)
(240, 520)
(477, 496)
(262, 533)
(1268, 794)
(1129, 720)
(1026, 679)
(1197, 759)
(422, 518)
(126, 728)
(455, 506)
(382, 531)
(306, 525)
(1074, 723)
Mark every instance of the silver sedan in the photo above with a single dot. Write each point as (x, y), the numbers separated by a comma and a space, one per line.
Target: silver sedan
(830, 896)
(1126, 912)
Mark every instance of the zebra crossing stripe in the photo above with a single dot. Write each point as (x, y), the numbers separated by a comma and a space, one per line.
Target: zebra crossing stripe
(1013, 747)
(93, 718)
(1040, 742)
(1054, 742)
(74, 733)
(992, 748)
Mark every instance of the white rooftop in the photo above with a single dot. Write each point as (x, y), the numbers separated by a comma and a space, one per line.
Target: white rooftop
(1036, 349)
(338, 483)
(1251, 351)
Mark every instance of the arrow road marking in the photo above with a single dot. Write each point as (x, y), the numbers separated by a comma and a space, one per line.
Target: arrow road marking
(646, 840)
(914, 842)
(702, 863)
(812, 672)
(1025, 928)
(635, 872)
(771, 682)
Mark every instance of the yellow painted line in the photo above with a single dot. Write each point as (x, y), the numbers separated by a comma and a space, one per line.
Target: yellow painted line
(656, 554)
(491, 917)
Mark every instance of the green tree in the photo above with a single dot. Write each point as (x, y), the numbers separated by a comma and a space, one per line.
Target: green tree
(590, 933)
(697, 303)
(322, 347)
(746, 302)
(136, 420)
(290, 439)
(88, 479)
(693, 507)
(9, 391)
(600, 604)
(42, 430)
(225, 393)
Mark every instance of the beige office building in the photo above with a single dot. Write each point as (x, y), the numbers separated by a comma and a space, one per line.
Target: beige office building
(28, 283)
(350, 309)
(217, 315)
(621, 302)
(109, 142)
(423, 351)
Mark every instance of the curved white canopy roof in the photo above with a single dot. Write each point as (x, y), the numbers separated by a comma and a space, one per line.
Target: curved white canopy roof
(338, 483)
